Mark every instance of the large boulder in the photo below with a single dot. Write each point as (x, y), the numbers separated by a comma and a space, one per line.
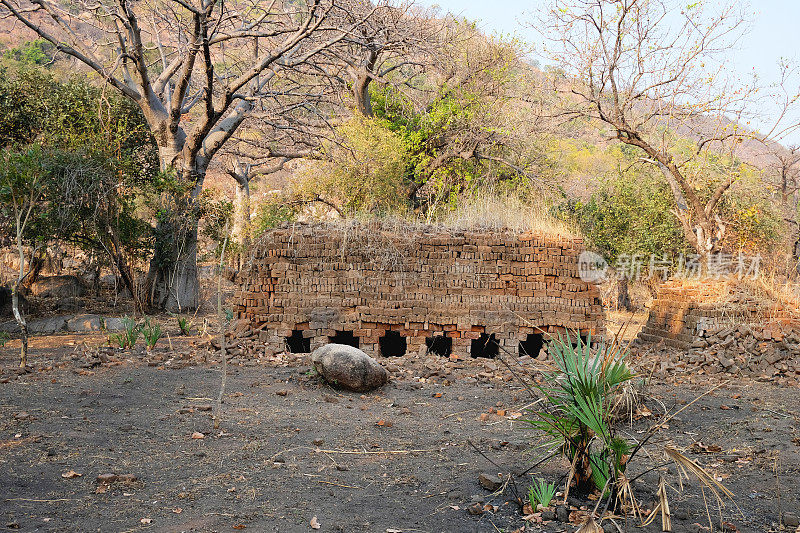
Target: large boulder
(348, 367)
(58, 287)
(84, 323)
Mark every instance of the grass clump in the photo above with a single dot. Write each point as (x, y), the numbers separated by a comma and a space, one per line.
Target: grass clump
(185, 326)
(151, 333)
(128, 336)
(541, 493)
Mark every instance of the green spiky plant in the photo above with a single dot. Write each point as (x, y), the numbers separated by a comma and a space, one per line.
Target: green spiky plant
(576, 414)
(128, 336)
(151, 333)
(541, 492)
(185, 325)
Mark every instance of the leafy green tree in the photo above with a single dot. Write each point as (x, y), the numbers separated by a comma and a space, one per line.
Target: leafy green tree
(23, 184)
(630, 215)
(97, 153)
(30, 53)
(365, 172)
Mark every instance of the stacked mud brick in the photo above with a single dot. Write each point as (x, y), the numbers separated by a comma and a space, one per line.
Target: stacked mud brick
(686, 310)
(411, 288)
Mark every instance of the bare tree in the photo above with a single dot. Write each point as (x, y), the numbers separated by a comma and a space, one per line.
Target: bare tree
(653, 72)
(395, 46)
(784, 171)
(190, 67)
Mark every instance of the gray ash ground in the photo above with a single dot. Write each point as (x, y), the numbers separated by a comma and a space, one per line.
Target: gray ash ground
(291, 448)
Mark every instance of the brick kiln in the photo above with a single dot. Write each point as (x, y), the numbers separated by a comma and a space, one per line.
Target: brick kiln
(685, 310)
(396, 289)
(721, 325)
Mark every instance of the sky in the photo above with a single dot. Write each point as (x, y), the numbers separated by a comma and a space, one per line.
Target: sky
(774, 32)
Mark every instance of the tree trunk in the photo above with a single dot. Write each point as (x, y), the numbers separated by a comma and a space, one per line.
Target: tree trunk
(23, 324)
(15, 307)
(172, 279)
(621, 296)
(361, 94)
(173, 284)
(241, 233)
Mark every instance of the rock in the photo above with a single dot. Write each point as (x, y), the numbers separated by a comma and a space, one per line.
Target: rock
(83, 323)
(725, 362)
(791, 520)
(43, 326)
(475, 509)
(113, 323)
(562, 513)
(348, 367)
(490, 481)
(609, 527)
(548, 514)
(318, 442)
(58, 287)
(128, 478)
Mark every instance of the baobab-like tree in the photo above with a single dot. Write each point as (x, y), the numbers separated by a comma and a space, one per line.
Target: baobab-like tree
(196, 69)
(653, 73)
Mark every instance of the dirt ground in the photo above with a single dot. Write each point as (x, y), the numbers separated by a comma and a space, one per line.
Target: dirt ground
(405, 458)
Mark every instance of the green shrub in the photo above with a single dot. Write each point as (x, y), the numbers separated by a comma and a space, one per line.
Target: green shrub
(185, 325)
(576, 416)
(4, 338)
(630, 215)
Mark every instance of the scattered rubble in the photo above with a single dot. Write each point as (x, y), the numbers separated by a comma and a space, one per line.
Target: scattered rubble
(765, 352)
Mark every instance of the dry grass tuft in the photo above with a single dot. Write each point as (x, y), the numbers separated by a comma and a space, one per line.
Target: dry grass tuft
(505, 212)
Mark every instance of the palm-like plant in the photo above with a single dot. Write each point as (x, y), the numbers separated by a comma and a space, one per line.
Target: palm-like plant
(576, 416)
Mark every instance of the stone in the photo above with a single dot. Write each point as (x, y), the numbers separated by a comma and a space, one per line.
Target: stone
(475, 509)
(791, 520)
(348, 367)
(84, 323)
(490, 481)
(58, 287)
(548, 514)
(46, 326)
(725, 362)
(113, 323)
(562, 513)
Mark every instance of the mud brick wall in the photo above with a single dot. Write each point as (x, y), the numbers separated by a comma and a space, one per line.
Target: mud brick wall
(685, 311)
(413, 283)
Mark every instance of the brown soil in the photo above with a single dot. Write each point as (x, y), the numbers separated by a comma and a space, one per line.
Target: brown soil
(404, 458)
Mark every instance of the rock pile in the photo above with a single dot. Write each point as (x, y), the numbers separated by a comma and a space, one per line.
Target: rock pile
(757, 351)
